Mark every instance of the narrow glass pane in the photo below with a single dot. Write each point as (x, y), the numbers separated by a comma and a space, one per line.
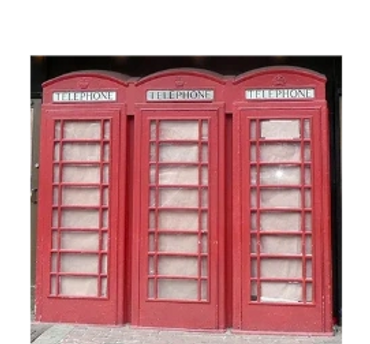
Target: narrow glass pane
(151, 243)
(57, 130)
(55, 195)
(253, 221)
(204, 243)
(104, 264)
(204, 290)
(309, 297)
(204, 267)
(106, 129)
(104, 241)
(153, 130)
(308, 269)
(308, 222)
(55, 219)
(253, 175)
(105, 218)
(253, 153)
(56, 174)
(153, 152)
(307, 175)
(105, 196)
(307, 131)
(151, 288)
(307, 152)
(253, 244)
(54, 262)
(106, 174)
(204, 179)
(54, 240)
(151, 266)
(204, 157)
(204, 130)
(53, 285)
(253, 291)
(152, 221)
(204, 224)
(204, 198)
(56, 152)
(253, 198)
(104, 287)
(308, 244)
(307, 198)
(254, 270)
(106, 152)
(253, 129)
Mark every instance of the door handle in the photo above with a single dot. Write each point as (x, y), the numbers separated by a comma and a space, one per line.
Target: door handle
(34, 196)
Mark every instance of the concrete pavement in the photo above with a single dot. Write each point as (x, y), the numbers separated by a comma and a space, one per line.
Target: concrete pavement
(88, 334)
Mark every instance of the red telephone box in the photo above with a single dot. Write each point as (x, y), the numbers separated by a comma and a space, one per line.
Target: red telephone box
(80, 232)
(282, 252)
(179, 213)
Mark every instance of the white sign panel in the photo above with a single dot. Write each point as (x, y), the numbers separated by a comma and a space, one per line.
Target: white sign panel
(84, 96)
(179, 95)
(280, 93)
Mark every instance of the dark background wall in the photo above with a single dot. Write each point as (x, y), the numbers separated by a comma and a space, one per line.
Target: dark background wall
(47, 67)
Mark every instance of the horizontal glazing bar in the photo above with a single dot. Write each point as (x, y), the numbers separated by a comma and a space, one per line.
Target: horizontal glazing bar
(175, 231)
(81, 140)
(280, 163)
(80, 206)
(177, 141)
(78, 251)
(73, 229)
(285, 256)
(177, 208)
(280, 209)
(178, 186)
(81, 162)
(78, 274)
(279, 187)
(178, 277)
(177, 254)
(154, 163)
(278, 233)
(262, 140)
(280, 279)
(80, 184)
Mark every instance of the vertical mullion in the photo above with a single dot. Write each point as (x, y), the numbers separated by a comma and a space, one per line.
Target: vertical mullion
(59, 203)
(303, 206)
(101, 165)
(199, 207)
(156, 238)
(258, 226)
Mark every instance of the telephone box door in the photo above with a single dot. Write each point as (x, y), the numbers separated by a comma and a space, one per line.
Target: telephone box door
(78, 215)
(282, 237)
(180, 240)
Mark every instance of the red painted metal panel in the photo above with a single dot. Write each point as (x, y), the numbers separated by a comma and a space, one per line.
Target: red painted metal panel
(171, 288)
(78, 209)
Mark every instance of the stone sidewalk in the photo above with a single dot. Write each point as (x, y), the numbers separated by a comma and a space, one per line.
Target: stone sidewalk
(83, 334)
